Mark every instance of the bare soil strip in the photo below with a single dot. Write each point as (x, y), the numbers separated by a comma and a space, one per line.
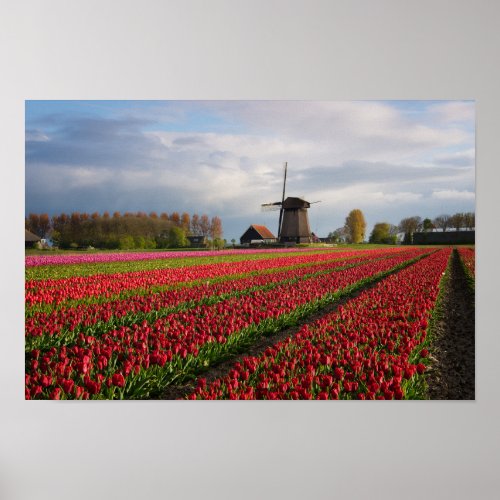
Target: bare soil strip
(453, 348)
(261, 344)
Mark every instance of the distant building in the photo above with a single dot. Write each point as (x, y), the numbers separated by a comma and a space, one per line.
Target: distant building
(257, 233)
(197, 241)
(30, 239)
(444, 238)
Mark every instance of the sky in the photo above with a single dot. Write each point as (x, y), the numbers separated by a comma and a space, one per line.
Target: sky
(390, 159)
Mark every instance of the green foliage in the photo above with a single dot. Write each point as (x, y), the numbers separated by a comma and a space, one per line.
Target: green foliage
(379, 232)
(126, 243)
(177, 238)
(427, 225)
(384, 233)
(392, 239)
(144, 243)
(218, 243)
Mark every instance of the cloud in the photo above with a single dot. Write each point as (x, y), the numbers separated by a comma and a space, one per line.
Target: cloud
(365, 195)
(460, 159)
(453, 194)
(33, 135)
(353, 172)
(342, 131)
(453, 112)
(94, 141)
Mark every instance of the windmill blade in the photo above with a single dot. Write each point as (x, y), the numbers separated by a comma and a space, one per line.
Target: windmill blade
(270, 207)
(312, 202)
(279, 222)
(285, 165)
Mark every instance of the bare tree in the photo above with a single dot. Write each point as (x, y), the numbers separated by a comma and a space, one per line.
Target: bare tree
(195, 225)
(175, 218)
(185, 222)
(34, 223)
(470, 220)
(339, 235)
(44, 225)
(204, 225)
(457, 221)
(442, 222)
(215, 230)
(410, 225)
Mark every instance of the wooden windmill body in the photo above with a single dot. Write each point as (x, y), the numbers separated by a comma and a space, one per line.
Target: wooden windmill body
(293, 225)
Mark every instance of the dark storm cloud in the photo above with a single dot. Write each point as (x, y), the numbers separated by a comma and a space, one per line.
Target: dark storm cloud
(92, 141)
(53, 190)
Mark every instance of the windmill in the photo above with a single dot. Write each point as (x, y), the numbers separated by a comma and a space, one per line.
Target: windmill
(293, 225)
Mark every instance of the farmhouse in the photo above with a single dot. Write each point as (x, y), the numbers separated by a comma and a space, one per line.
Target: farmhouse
(257, 233)
(198, 241)
(30, 239)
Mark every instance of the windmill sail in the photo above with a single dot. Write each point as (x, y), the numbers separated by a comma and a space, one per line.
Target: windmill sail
(271, 207)
(282, 201)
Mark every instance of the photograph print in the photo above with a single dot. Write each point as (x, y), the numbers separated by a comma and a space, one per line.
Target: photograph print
(249, 250)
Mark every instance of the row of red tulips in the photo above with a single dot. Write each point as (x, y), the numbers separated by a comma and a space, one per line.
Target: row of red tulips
(468, 258)
(49, 291)
(98, 316)
(370, 348)
(131, 361)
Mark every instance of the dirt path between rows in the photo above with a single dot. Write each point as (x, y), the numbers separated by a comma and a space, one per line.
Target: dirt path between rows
(453, 373)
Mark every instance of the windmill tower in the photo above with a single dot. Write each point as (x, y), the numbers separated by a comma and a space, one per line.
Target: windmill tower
(293, 225)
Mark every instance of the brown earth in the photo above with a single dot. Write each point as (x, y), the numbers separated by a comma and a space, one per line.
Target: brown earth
(452, 375)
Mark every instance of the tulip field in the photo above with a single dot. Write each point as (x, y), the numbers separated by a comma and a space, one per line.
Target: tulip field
(134, 326)
(468, 259)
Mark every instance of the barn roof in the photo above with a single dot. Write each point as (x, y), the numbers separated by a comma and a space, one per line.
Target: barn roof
(29, 236)
(264, 232)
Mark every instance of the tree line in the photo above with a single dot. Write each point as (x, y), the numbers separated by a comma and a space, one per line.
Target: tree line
(461, 221)
(125, 231)
(354, 227)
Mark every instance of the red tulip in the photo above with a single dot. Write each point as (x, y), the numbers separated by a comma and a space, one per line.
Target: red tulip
(118, 380)
(421, 368)
(56, 393)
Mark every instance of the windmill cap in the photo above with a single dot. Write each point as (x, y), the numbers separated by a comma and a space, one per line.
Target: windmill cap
(294, 202)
